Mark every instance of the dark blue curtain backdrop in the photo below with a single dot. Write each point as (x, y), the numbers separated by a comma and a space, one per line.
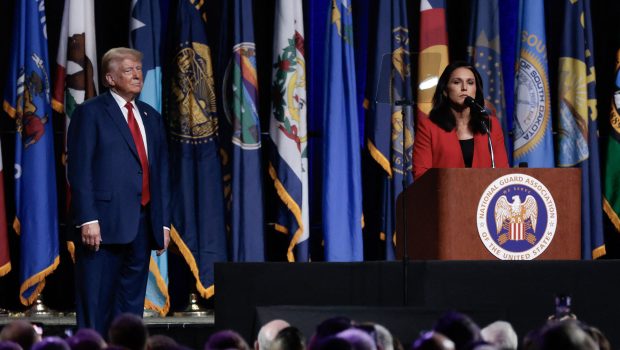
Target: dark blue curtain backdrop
(112, 18)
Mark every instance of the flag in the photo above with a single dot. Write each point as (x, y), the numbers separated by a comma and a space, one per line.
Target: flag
(27, 100)
(5, 259)
(198, 223)
(433, 49)
(533, 140)
(508, 19)
(76, 69)
(241, 135)
(485, 54)
(389, 84)
(288, 131)
(578, 124)
(611, 200)
(342, 188)
(145, 36)
(76, 62)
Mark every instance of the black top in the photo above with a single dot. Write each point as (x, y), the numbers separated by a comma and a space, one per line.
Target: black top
(467, 147)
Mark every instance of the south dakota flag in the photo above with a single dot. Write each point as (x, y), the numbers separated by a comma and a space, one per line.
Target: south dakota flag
(533, 141)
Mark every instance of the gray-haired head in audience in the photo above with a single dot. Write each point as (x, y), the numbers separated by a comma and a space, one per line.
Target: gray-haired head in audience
(501, 334)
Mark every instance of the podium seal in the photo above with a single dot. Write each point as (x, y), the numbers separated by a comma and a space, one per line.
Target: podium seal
(516, 217)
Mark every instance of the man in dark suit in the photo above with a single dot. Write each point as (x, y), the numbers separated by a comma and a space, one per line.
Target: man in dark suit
(118, 173)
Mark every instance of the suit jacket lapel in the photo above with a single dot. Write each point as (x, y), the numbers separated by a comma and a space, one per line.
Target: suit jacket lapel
(147, 121)
(119, 121)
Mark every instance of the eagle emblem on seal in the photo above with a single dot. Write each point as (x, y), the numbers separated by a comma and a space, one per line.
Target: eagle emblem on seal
(516, 221)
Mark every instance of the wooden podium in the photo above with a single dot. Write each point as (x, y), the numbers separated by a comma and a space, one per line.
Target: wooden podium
(441, 213)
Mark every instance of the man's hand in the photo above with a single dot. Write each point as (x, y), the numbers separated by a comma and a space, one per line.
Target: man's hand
(166, 241)
(91, 236)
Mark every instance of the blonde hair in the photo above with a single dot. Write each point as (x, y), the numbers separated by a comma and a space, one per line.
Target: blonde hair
(116, 55)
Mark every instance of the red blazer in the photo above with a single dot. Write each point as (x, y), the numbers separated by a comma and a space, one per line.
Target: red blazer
(436, 148)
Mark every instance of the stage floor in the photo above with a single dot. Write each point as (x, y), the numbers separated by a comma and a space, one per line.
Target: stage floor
(69, 321)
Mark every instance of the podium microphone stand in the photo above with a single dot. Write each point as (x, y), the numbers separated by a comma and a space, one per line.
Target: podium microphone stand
(398, 95)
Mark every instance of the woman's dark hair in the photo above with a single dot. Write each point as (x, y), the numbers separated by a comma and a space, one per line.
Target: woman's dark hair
(460, 328)
(441, 114)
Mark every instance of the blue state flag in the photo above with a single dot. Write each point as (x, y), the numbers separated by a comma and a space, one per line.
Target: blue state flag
(198, 216)
(241, 134)
(28, 101)
(388, 96)
(485, 54)
(288, 131)
(342, 184)
(508, 17)
(145, 36)
(532, 134)
(578, 125)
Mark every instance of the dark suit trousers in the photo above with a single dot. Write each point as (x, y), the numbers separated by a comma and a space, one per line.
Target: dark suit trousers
(112, 281)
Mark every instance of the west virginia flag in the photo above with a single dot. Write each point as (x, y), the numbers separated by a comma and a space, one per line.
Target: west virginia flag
(145, 36)
(196, 174)
(389, 136)
(27, 100)
(288, 132)
(342, 184)
(578, 125)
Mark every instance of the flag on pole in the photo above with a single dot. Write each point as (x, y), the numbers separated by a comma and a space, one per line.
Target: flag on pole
(27, 100)
(76, 69)
(198, 222)
(145, 36)
(578, 124)
(389, 87)
(241, 134)
(611, 200)
(433, 49)
(533, 140)
(485, 54)
(76, 62)
(508, 19)
(342, 186)
(5, 259)
(288, 131)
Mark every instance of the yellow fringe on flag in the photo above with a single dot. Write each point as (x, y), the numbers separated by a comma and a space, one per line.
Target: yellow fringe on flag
(379, 158)
(292, 206)
(161, 284)
(39, 281)
(207, 292)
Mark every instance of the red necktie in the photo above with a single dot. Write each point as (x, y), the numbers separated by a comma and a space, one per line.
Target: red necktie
(137, 139)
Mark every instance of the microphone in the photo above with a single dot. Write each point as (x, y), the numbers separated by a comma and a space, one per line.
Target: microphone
(471, 102)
